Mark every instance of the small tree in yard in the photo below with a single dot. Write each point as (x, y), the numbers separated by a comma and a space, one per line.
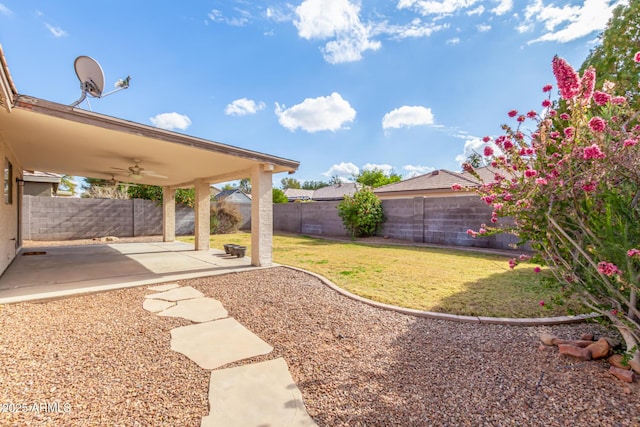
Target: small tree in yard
(361, 213)
(573, 189)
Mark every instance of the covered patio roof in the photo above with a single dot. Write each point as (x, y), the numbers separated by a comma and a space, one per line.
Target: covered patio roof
(72, 141)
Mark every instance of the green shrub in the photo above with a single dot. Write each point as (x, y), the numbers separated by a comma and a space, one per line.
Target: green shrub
(225, 218)
(361, 213)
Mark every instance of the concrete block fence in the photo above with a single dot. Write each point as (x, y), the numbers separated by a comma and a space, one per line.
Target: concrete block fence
(440, 220)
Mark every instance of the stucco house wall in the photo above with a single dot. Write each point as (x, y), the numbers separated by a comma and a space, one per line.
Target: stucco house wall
(9, 237)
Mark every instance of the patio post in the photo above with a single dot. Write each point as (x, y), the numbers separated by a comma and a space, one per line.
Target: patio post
(203, 212)
(261, 215)
(168, 214)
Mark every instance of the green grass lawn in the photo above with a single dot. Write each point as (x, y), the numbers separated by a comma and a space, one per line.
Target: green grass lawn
(441, 280)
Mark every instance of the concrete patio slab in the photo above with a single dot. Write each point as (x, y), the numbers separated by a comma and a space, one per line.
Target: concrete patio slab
(162, 288)
(214, 344)
(156, 305)
(58, 271)
(177, 294)
(197, 310)
(259, 394)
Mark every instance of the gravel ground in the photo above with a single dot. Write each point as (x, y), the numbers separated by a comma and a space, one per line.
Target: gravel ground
(356, 365)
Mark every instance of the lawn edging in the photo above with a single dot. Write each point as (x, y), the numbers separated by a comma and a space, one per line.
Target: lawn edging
(540, 321)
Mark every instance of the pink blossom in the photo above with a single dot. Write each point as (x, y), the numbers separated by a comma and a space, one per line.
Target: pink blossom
(601, 98)
(524, 257)
(546, 103)
(592, 152)
(471, 233)
(547, 88)
(553, 113)
(597, 124)
(590, 186)
(507, 197)
(636, 57)
(537, 269)
(618, 100)
(467, 167)
(541, 303)
(488, 151)
(541, 181)
(530, 173)
(486, 139)
(587, 83)
(532, 114)
(489, 199)
(498, 206)
(555, 134)
(512, 263)
(614, 312)
(508, 144)
(456, 187)
(568, 80)
(513, 113)
(630, 142)
(633, 252)
(521, 119)
(565, 116)
(494, 219)
(482, 230)
(569, 132)
(608, 269)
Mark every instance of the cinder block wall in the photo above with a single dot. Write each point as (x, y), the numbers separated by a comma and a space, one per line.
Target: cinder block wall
(53, 218)
(440, 220)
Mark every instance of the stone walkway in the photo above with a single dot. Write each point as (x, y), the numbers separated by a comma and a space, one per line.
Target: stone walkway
(255, 394)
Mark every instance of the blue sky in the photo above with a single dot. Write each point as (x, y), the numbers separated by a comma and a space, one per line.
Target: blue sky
(339, 85)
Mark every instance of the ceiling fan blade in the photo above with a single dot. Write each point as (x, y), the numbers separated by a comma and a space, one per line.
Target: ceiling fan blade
(154, 175)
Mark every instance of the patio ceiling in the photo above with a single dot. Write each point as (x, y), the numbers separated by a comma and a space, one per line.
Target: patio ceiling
(52, 137)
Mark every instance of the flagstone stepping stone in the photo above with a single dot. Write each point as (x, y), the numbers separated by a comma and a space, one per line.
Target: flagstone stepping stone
(197, 310)
(165, 287)
(177, 294)
(214, 344)
(258, 394)
(155, 305)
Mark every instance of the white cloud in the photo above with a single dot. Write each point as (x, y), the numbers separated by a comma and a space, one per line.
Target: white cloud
(415, 29)
(171, 121)
(56, 31)
(433, 7)
(241, 20)
(317, 114)
(503, 7)
(386, 169)
(337, 20)
(278, 15)
(477, 11)
(483, 28)
(5, 10)
(455, 40)
(574, 22)
(345, 171)
(243, 106)
(415, 170)
(471, 146)
(406, 116)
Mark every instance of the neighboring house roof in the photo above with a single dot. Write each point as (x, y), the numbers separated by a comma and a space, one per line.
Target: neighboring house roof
(298, 194)
(336, 191)
(8, 90)
(232, 194)
(436, 183)
(38, 176)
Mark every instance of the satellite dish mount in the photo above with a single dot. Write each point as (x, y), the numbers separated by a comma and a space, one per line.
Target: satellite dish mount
(91, 79)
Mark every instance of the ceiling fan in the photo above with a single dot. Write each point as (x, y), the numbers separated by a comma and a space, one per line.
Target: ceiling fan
(138, 172)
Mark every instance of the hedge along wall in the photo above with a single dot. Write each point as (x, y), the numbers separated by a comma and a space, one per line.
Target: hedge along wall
(439, 220)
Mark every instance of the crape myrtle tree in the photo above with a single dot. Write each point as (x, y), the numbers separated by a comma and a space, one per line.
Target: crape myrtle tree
(572, 189)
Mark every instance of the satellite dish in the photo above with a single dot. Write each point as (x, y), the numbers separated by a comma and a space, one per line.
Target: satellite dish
(91, 79)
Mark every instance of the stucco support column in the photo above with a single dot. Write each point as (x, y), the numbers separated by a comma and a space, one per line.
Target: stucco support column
(261, 215)
(202, 211)
(168, 214)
